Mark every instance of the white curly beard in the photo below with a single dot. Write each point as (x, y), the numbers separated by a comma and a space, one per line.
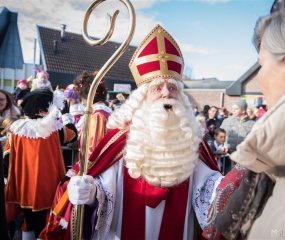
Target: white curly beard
(162, 145)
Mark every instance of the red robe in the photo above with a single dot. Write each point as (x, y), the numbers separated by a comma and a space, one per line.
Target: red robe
(98, 123)
(35, 168)
(108, 152)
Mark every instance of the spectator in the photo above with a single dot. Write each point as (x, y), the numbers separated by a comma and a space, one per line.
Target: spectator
(252, 207)
(206, 110)
(260, 112)
(219, 146)
(258, 102)
(196, 111)
(41, 81)
(6, 131)
(223, 113)
(99, 116)
(250, 114)
(75, 108)
(255, 110)
(14, 222)
(209, 136)
(238, 126)
(212, 114)
(3, 219)
(21, 90)
(7, 108)
(35, 161)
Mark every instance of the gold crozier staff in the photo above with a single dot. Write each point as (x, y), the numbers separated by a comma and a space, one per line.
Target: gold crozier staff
(95, 83)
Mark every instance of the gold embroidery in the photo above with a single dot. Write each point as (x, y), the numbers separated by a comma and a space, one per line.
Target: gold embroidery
(73, 223)
(112, 140)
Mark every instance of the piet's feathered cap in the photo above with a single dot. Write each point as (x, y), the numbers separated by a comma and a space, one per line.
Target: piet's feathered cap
(36, 104)
(158, 56)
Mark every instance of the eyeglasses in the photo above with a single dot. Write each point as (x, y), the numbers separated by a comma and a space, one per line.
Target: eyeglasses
(2, 99)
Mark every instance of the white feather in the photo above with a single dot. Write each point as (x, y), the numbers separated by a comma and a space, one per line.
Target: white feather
(58, 99)
(38, 128)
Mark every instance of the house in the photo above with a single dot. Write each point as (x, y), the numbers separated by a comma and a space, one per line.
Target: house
(64, 55)
(12, 67)
(211, 91)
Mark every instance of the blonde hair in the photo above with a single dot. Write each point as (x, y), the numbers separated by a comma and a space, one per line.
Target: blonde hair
(7, 124)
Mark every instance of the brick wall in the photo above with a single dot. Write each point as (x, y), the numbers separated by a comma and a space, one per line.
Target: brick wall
(251, 85)
(218, 98)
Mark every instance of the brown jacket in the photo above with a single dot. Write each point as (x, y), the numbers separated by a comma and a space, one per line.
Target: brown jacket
(263, 151)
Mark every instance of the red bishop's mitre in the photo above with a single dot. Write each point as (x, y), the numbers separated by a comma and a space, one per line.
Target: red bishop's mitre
(158, 56)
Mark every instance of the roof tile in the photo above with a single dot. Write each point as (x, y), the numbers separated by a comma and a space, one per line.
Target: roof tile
(74, 55)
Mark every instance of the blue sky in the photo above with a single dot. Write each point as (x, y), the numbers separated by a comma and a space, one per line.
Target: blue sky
(218, 34)
(214, 35)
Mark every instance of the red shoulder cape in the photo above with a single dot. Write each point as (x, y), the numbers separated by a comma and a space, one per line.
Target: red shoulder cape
(108, 152)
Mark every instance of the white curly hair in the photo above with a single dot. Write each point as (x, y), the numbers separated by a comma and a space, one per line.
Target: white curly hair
(162, 146)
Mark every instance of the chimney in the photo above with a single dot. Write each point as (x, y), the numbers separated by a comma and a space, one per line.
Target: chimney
(55, 46)
(63, 27)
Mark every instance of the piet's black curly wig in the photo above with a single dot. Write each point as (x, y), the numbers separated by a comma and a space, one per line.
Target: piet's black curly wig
(83, 83)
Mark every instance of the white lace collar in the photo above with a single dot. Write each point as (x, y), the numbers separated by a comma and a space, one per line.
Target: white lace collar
(101, 106)
(38, 128)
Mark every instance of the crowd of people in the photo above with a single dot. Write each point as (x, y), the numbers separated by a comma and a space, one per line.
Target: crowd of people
(37, 123)
(234, 125)
(157, 167)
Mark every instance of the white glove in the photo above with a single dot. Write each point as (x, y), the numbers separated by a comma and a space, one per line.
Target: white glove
(81, 190)
(66, 118)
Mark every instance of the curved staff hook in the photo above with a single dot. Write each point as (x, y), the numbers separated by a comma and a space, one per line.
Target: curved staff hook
(88, 111)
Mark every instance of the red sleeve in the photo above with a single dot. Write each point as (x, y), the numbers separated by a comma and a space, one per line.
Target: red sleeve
(207, 156)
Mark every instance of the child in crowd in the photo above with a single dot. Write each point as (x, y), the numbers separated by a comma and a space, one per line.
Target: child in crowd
(21, 90)
(76, 109)
(196, 111)
(13, 212)
(251, 114)
(41, 81)
(6, 126)
(209, 136)
(221, 149)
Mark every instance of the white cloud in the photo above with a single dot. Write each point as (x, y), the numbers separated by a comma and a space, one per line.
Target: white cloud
(226, 71)
(189, 48)
(53, 13)
(239, 67)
